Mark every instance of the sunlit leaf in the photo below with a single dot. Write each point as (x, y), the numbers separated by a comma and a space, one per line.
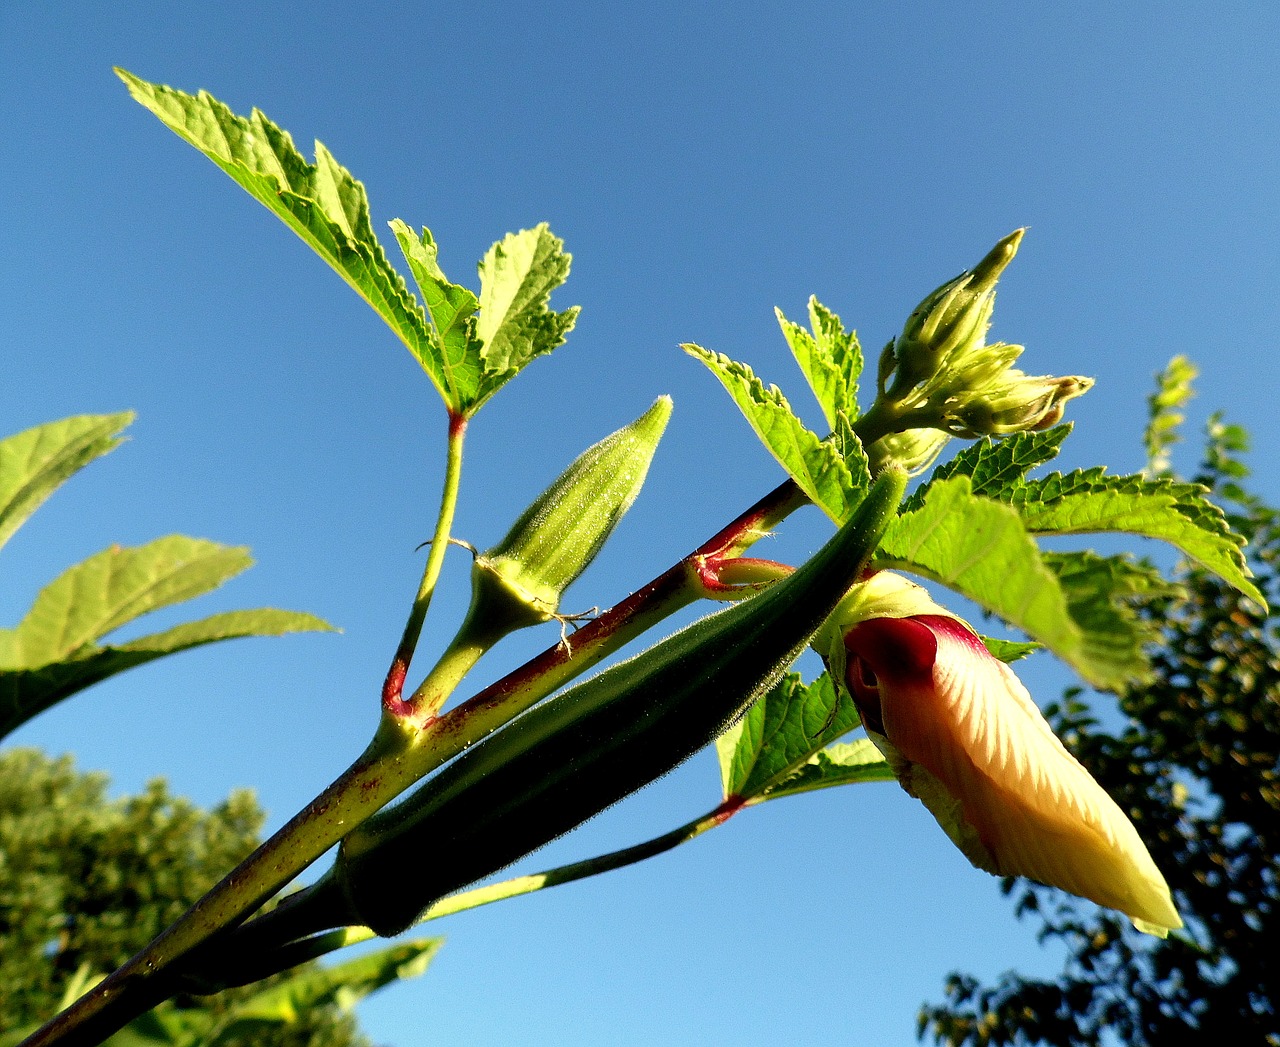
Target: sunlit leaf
(517, 276)
(115, 586)
(983, 550)
(782, 746)
(321, 202)
(817, 466)
(830, 358)
(26, 692)
(34, 463)
(1089, 501)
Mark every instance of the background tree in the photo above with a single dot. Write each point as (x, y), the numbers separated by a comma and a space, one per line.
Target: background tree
(86, 881)
(1197, 765)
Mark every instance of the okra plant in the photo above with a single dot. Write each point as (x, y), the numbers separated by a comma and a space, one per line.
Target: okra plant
(457, 784)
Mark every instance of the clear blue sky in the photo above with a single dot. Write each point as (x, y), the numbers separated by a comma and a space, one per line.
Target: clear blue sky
(704, 163)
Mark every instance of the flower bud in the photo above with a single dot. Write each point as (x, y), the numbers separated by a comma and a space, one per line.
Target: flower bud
(963, 736)
(953, 320)
(940, 373)
(1016, 403)
(555, 539)
(914, 450)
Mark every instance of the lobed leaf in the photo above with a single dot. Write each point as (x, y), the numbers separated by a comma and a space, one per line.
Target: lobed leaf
(26, 691)
(115, 586)
(818, 467)
(845, 763)
(1089, 501)
(998, 468)
(36, 462)
(321, 202)
(1101, 592)
(982, 549)
(830, 358)
(451, 309)
(781, 747)
(517, 276)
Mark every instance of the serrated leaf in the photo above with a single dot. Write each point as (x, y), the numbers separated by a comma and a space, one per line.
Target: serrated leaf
(26, 692)
(997, 468)
(982, 549)
(517, 276)
(817, 466)
(321, 202)
(36, 462)
(830, 358)
(111, 588)
(451, 308)
(1090, 501)
(782, 745)
(1100, 592)
(343, 985)
(845, 763)
(780, 732)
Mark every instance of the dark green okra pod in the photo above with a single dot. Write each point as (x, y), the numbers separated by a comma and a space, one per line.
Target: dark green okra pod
(571, 757)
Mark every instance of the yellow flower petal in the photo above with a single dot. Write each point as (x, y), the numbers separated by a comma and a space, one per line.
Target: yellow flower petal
(964, 736)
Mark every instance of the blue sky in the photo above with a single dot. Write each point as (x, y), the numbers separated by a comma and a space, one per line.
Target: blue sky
(704, 163)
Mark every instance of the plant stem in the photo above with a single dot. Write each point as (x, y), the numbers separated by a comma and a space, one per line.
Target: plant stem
(520, 885)
(403, 751)
(393, 687)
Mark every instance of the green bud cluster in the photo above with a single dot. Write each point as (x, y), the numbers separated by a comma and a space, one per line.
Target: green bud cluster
(941, 374)
(578, 753)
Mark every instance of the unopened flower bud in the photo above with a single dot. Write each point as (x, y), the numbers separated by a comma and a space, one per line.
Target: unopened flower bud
(941, 374)
(555, 539)
(964, 737)
(953, 320)
(914, 450)
(1017, 403)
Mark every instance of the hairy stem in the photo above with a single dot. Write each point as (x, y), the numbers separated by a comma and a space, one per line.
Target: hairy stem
(403, 751)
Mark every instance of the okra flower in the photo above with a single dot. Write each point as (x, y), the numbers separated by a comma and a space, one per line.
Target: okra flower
(963, 736)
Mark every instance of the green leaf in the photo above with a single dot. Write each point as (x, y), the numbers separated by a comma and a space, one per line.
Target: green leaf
(1009, 651)
(452, 309)
(1100, 592)
(321, 202)
(343, 984)
(517, 276)
(26, 692)
(781, 747)
(830, 358)
(1089, 501)
(983, 550)
(36, 462)
(818, 467)
(997, 468)
(115, 586)
(845, 763)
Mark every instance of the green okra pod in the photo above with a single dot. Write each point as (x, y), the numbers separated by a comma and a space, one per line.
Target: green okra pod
(558, 535)
(580, 752)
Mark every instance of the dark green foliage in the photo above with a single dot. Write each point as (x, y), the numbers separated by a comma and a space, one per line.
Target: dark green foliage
(1198, 766)
(86, 881)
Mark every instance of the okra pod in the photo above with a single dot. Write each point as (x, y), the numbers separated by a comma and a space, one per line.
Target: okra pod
(578, 753)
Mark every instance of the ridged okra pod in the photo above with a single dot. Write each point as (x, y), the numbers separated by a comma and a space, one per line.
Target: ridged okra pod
(578, 753)
(522, 578)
